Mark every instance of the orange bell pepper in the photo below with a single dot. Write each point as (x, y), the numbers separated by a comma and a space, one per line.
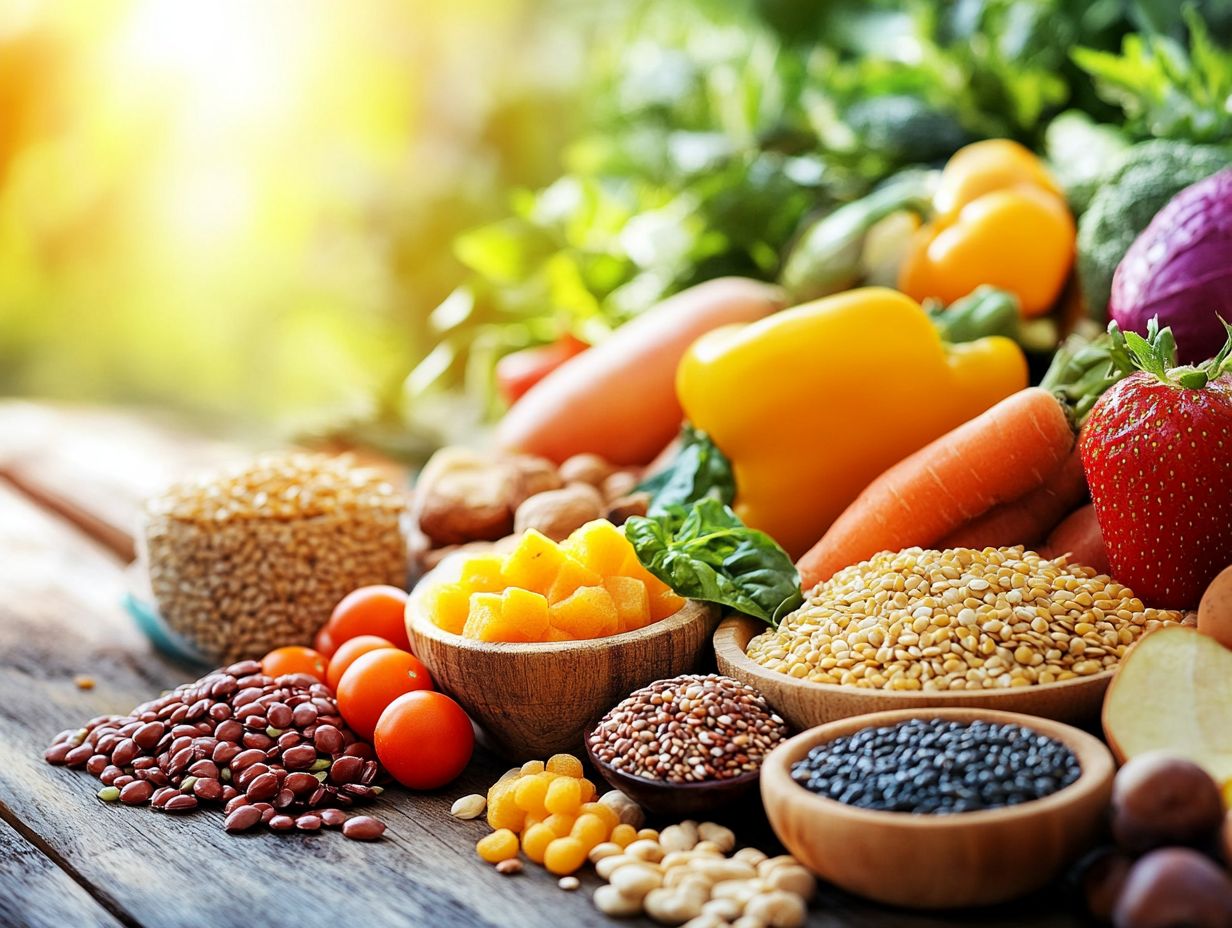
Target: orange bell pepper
(998, 218)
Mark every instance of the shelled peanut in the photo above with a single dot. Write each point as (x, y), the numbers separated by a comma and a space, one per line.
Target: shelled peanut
(683, 877)
(548, 811)
(467, 499)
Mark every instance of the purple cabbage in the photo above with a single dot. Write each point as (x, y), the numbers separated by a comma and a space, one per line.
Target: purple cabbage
(1180, 269)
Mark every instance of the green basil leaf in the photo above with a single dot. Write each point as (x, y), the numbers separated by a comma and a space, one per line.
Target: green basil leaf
(706, 552)
(699, 470)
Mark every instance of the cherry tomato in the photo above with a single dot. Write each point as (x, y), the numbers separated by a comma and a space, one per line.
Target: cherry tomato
(370, 610)
(348, 651)
(424, 739)
(294, 659)
(324, 643)
(375, 680)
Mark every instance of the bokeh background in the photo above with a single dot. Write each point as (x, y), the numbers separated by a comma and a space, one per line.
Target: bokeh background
(311, 215)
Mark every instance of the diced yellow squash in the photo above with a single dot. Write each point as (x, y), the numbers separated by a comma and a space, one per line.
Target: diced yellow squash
(448, 605)
(556, 634)
(632, 567)
(573, 574)
(484, 610)
(534, 563)
(524, 614)
(601, 546)
(663, 604)
(482, 574)
(632, 602)
(588, 613)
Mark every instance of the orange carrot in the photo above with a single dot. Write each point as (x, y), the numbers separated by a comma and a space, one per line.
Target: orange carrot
(1079, 537)
(618, 399)
(1028, 519)
(996, 457)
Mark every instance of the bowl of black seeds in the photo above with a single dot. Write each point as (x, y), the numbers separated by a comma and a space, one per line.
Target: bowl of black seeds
(938, 808)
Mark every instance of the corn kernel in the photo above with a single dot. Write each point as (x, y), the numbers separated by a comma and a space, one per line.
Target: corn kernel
(535, 841)
(501, 844)
(564, 795)
(564, 856)
(565, 764)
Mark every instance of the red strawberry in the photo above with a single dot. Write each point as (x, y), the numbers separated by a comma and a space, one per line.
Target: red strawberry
(1157, 451)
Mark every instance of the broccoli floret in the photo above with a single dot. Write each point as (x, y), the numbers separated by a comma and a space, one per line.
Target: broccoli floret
(905, 129)
(1148, 176)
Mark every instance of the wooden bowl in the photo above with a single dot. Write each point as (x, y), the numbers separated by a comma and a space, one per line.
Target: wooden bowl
(805, 704)
(535, 700)
(679, 800)
(939, 861)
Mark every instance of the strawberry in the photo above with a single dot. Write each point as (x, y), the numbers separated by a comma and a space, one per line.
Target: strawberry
(1157, 451)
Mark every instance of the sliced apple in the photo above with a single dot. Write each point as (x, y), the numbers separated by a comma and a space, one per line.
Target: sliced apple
(1173, 693)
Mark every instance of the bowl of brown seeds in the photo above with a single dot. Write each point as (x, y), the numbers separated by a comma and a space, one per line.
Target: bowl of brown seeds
(686, 745)
(257, 557)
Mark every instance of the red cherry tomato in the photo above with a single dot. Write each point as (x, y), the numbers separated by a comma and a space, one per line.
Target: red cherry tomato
(374, 681)
(324, 643)
(347, 654)
(293, 659)
(370, 610)
(424, 739)
(518, 371)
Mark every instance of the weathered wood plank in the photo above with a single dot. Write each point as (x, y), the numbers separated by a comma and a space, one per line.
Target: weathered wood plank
(46, 896)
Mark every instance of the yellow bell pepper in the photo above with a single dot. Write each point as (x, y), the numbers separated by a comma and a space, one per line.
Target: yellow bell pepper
(998, 219)
(812, 403)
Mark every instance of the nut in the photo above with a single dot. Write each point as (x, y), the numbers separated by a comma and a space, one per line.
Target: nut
(752, 856)
(469, 807)
(672, 906)
(585, 468)
(777, 909)
(726, 909)
(626, 809)
(608, 865)
(792, 879)
(557, 513)
(532, 475)
(605, 849)
(610, 901)
(620, 483)
(645, 850)
(621, 510)
(569, 883)
(723, 838)
(509, 867)
(682, 837)
(462, 496)
(635, 880)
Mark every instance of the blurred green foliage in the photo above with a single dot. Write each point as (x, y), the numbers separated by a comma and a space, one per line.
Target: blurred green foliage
(267, 208)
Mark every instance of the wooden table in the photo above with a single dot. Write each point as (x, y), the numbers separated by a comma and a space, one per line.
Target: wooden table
(70, 485)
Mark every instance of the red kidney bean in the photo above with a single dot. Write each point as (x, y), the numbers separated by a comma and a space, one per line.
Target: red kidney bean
(242, 668)
(300, 757)
(230, 730)
(371, 770)
(242, 818)
(97, 764)
(262, 787)
(304, 715)
(300, 783)
(346, 769)
(359, 749)
(288, 739)
(179, 744)
(258, 740)
(124, 752)
(184, 731)
(251, 773)
(106, 744)
(225, 752)
(229, 792)
(220, 712)
(328, 740)
(236, 802)
(79, 755)
(308, 822)
(136, 793)
(109, 774)
(280, 715)
(179, 761)
(363, 828)
(246, 759)
(148, 734)
(144, 763)
(122, 781)
(332, 818)
(203, 768)
(58, 753)
(208, 789)
(180, 803)
(281, 823)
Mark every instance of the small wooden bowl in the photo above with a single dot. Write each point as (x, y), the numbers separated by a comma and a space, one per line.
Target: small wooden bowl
(535, 700)
(681, 800)
(938, 861)
(805, 704)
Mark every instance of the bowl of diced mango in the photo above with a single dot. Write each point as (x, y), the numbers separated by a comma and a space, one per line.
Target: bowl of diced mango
(537, 643)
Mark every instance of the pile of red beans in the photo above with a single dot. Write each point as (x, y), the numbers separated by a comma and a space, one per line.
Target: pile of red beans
(270, 750)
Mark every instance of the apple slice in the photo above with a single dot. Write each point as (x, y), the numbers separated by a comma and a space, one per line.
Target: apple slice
(1173, 693)
(1215, 610)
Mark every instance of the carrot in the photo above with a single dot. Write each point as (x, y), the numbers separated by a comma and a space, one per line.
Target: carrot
(618, 399)
(1028, 519)
(1079, 537)
(996, 457)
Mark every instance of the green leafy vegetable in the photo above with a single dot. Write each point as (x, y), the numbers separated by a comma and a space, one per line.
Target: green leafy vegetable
(1166, 90)
(699, 471)
(705, 552)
